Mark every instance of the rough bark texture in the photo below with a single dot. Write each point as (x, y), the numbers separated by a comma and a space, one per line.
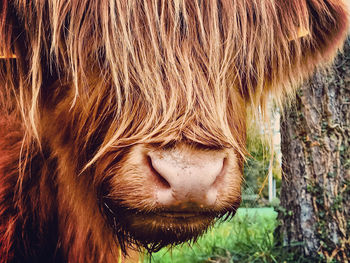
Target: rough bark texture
(315, 193)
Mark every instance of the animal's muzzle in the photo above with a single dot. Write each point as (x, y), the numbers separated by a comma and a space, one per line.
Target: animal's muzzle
(186, 179)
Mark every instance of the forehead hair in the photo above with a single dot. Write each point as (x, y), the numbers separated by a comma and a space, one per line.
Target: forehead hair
(179, 63)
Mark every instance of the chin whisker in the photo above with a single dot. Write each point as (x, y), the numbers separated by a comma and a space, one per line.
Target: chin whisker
(158, 228)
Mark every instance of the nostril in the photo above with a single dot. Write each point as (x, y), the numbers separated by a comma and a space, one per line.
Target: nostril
(160, 180)
(219, 178)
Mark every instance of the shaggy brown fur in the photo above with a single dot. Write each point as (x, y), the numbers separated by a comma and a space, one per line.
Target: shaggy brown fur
(97, 83)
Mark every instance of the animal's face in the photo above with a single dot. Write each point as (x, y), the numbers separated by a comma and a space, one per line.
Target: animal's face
(142, 104)
(153, 190)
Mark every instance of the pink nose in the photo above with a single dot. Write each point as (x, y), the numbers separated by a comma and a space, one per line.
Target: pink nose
(187, 176)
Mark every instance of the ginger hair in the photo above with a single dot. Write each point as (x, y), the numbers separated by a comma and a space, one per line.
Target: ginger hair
(104, 75)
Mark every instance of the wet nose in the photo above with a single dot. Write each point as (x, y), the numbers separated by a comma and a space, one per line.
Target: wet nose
(187, 176)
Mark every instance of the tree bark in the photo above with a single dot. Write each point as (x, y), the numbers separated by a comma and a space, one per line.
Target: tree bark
(315, 191)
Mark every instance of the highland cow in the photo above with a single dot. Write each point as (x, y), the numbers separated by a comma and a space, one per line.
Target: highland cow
(122, 123)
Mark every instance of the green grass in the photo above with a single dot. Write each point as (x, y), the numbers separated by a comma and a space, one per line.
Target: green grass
(248, 237)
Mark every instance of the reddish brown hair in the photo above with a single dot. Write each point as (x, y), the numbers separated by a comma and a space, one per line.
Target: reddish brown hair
(93, 78)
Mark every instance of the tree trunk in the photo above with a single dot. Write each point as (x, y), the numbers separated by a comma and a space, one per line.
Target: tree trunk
(315, 192)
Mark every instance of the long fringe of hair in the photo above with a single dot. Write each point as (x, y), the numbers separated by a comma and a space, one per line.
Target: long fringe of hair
(178, 62)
